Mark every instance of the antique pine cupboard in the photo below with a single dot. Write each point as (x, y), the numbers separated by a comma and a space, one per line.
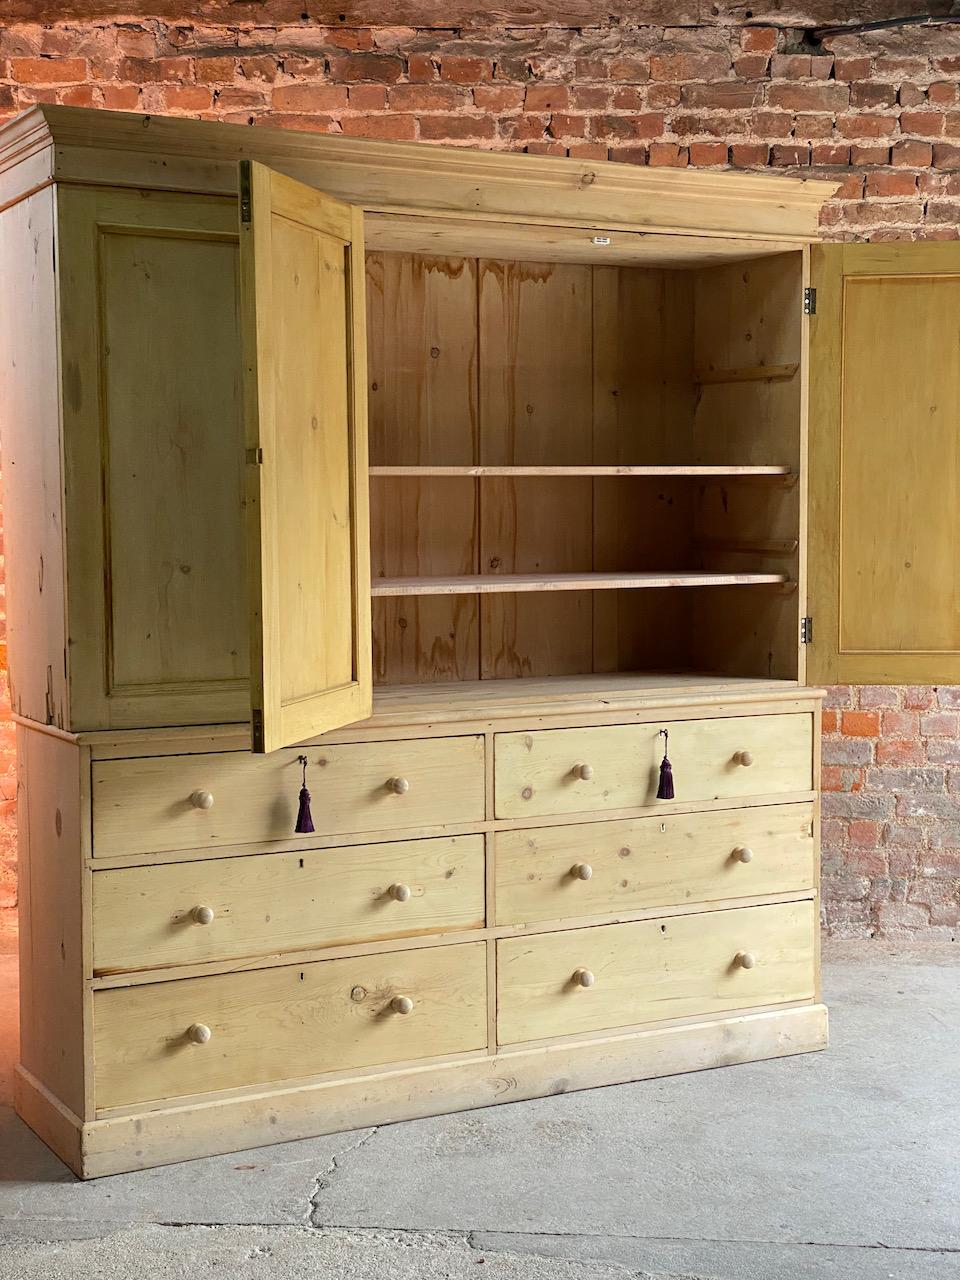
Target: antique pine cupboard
(459, 485)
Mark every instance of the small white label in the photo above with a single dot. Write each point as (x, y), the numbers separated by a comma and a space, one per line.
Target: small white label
(600, 241)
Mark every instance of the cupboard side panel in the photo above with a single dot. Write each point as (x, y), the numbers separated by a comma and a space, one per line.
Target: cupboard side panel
(52, 904)
(32, 481)
(749, 315)
(536, 406)
(422, 345)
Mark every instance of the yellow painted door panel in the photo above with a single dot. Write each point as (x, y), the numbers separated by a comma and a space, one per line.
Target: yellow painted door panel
(308, 544)
(884, 570)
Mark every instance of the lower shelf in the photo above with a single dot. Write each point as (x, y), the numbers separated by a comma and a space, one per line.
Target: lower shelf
(217, 1125)
(512, 583)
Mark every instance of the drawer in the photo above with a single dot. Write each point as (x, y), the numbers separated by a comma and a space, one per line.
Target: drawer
(539, 773)
(156, 804)
(651, 970)
(600, 868)
(159, 915)
(284, 1024)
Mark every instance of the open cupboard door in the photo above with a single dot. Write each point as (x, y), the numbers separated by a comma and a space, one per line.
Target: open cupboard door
(304, 354)
(884, 559)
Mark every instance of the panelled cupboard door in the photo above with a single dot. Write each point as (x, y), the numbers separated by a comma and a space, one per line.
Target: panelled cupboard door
(884, 566)
(304, 355)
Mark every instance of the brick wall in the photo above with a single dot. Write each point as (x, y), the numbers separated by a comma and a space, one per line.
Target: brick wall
(879, 112)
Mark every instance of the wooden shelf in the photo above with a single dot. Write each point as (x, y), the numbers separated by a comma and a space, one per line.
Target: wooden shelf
(511, 583)
(693, 469)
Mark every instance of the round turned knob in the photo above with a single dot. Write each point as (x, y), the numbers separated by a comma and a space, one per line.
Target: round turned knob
(199, 1033)
(399, 786)
(581, 871)
(743, 854)
(583, 978)
(400, 892)
(401, 1004)
(202, 800)
(745, 758)
(583, 771)
(745, 959)
(203, 915)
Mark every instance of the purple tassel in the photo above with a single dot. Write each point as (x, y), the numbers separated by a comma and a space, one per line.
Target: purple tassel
(304, 819)
(665, 789)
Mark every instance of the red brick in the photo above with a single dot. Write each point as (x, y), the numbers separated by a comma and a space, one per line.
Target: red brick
(425, 97)
(668, 154)
(492, 97)
(942, 94)
(872, 95)
(860, 724)
(809, 97)
(381, 67)
(80, 95)
(759, 39)
(829, 722)
(751, 66)
(911, 95)
(866, 126)
(187, 97)
(545, 97)
(900, 751)
(831, 154)
(946, 155)
(861, 154)
(310, 97)
(649, 125)
(401, 128)
(121, 97)
(459, 127)
(588, 98)
(851, 68)
(663, 95)
(708, 153)
(627, 98)
(564, 125)
(915, 155)
(920, 696)
(634, 70)
(689, 66)
(215, 70)
(863, 833)
(367, 97)
(929, 124)
(421, 68)
(588, 151)
(725, 95)
(463, 70)
(787, 156)
(891, 184)
(749, 154)
(41, 71)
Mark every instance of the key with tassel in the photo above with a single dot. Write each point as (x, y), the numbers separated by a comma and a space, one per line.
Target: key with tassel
(665, 789)
(304, 817)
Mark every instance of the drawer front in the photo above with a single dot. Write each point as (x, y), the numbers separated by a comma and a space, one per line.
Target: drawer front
(161, 915)
(284, 1024)
(652, 970)
(600, 868)
(539, 773)
(156, 804)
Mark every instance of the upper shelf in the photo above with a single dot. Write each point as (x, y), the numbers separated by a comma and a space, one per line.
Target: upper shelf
(511, 583)
(693, 469)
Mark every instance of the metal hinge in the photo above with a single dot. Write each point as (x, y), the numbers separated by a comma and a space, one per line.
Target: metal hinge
(257, 730)
(809, 302)
(245, 191)
(255, 457)
(806, 630)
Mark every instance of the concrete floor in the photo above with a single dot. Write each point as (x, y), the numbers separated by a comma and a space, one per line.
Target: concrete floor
(842, 1164)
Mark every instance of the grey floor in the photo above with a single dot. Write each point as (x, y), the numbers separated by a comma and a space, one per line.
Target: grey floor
(840, 1164)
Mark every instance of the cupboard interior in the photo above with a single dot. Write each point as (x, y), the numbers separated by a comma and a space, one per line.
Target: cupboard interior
(495, 363)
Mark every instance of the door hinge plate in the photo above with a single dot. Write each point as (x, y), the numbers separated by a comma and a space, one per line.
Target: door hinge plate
(255, 457)
(245, 211)
(809, 302)
(806, 630)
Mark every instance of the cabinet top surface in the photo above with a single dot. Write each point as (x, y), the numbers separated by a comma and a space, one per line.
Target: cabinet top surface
(121, 147)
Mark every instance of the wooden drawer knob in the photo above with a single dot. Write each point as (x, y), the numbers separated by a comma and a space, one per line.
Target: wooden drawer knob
(401, 1004)
(743, 854)
(581, 871)
(583, 771)
(745, 959)
(199, 1033)
(745, 758)
(398, 786)
(203, 915)
(400, 892)
(202, 799)
(583, 978)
